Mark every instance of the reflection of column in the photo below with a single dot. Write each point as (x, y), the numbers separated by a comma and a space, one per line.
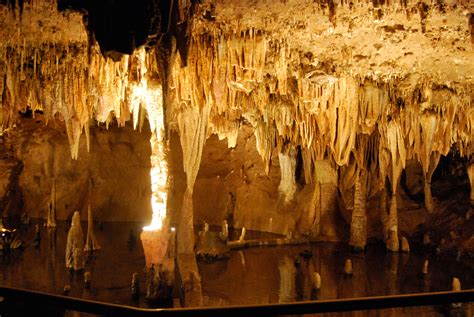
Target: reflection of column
(392, 273)
(52, 256)
(303, 284)
(287, 280)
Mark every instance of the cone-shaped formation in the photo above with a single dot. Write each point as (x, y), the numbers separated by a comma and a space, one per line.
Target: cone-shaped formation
(75, 244)
(91, 240)
(470, 173)
(456, 284)
(242, 235)
(405, 245)
(348, 267)
(424, 270)
(316, 281)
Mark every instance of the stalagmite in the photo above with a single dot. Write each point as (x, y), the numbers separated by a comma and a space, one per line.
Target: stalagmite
(242, 235)
(348, 267)
(75, 244)
(456, 287)
(91, 240)
(405, 245)
(51, 223)
(316, 281)
(359, 217)
(470, 173)
(424, 270)
(224, 234)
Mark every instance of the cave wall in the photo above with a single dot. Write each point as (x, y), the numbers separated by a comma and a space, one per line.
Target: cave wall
(257, 204)
(118, 164)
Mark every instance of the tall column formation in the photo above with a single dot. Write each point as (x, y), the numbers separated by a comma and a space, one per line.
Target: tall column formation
(359, 214)
(193, 128)
(396, 146)
(428, 155)
(287, 187)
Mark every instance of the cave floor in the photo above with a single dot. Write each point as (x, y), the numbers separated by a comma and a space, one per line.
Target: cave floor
(250, 276)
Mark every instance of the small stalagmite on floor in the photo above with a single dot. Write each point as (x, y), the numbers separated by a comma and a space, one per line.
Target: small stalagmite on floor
(456, 288)
(405, 245)
(242, 235)
(75, 244)
(424, 270)
(316, 281)
(348, 267)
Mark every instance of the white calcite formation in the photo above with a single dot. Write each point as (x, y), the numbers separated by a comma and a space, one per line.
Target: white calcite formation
(75, 244)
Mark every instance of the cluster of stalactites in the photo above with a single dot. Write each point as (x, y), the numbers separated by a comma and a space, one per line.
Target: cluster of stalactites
(248, 77)
(76, 84)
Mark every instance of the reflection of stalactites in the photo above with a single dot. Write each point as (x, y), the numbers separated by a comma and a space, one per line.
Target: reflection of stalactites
(287, 281)
(52, 207)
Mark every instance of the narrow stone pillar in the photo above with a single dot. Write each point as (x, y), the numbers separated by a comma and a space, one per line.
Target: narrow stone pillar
(359, 214)
(185, 230)
(428, 197)
(392, 242)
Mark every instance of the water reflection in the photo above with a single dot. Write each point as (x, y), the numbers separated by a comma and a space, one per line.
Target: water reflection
(281, 274)
(249, 276)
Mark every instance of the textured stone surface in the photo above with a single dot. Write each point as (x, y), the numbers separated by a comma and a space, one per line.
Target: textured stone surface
(118, 164)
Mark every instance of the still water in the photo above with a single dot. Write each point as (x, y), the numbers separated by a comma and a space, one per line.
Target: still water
(250, 276)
